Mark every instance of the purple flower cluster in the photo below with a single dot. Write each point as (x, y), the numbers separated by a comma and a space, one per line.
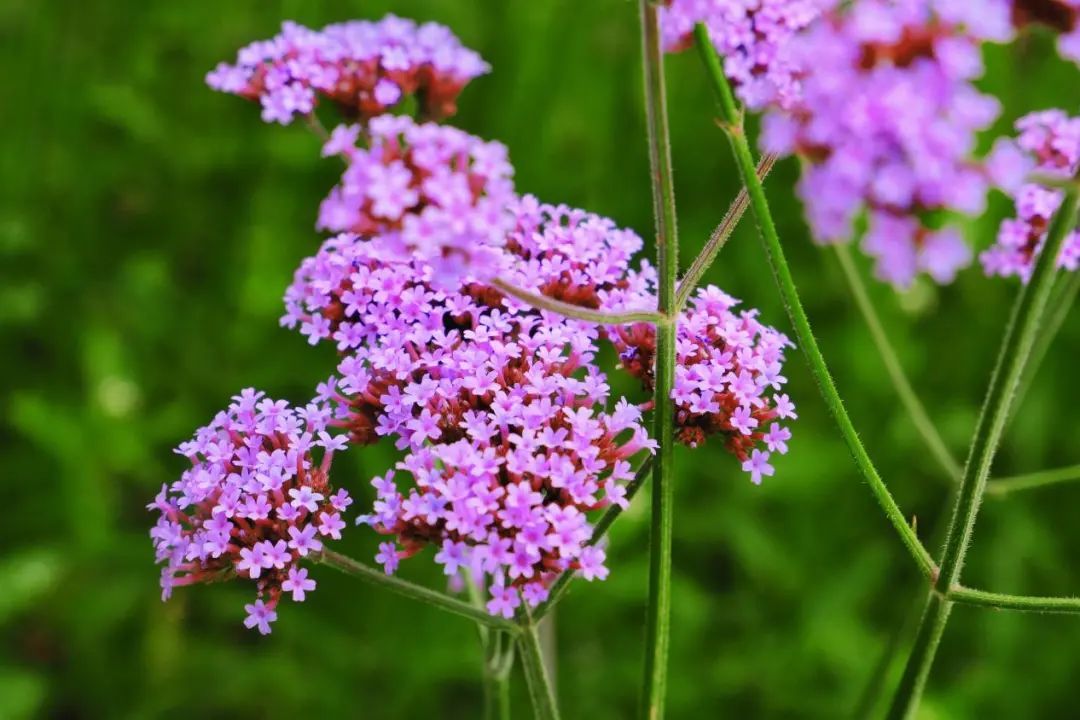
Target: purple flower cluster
(427, 190)
(752, 36)
(499, 407)
(253, 503)
(364, 67)
(1061, 16)
(887, 124)
(509, 438)
(727, 377)
(1051, 141)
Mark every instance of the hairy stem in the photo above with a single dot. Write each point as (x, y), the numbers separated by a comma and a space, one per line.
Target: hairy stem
(315, 125)
(495, 672)
(1003, 486)
(417, 592)
(502, 704)
(543, 302)
(719, 237)
(1019, 603)
(1016, 346)
(562, 583)
(919, 417)
(732, 123)
(532, 660)
(1061, 302)
(658, 623)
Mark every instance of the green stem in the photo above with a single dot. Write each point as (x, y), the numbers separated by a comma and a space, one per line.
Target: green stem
(1016, 348)
(562, 583)
(931, 629)
(315, 125)
(502, 705)
(544, 302)
(532, 660)
(490, 691)
(1061, 303)
(495, 672)
(658, 622)
(1020, 603)
(887, 665)
(417, 592)
(732, 123)
(1006, 485)
(919, 417)
(720, 236)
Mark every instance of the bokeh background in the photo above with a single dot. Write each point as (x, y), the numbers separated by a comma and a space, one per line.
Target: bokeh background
(148, 227)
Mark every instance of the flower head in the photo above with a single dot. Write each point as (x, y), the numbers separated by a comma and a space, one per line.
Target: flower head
(728, 373)
(363, 67)
(1051, 141)
(500, 408)
(251, 504)
(429, 191)
(752, 38)
(887, 121)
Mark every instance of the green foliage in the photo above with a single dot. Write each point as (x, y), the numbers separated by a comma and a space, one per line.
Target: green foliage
(148, 227)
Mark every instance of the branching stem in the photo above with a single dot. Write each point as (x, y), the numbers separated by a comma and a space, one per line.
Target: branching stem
(719, 237)
(411, 590)
(543, 302)
(732, 123)
(1003, 486)
(658, 623)
(1016, 346)
(1020, 603)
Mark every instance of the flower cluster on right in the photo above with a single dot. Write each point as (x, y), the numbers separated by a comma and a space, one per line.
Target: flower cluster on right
(1052, 140)
(879, 100)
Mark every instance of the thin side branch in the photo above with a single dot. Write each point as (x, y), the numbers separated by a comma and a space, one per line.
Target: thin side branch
(1003, 486)
(919, 417)
(719, 236)
(315, 125)
(732, 122)
(1019, 603)
(1061, 302)
(411, 590)
(543, 302)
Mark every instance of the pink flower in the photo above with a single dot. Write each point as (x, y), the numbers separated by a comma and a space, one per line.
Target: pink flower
(758, 465)
(298, 583)
(231, 513)
(1049, 140)
(260, 615)
(363, 67)
(427, 191)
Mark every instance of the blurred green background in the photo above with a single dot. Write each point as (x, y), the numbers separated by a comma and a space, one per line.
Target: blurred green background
(148, 227)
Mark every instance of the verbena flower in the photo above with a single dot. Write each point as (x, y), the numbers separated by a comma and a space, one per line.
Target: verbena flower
(499, 407)
(1051, 142)
(728, 377)
(363, 67)
(254, 503)
(751, 36)
(887, 124)
(427, 190)
(1061, 16)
